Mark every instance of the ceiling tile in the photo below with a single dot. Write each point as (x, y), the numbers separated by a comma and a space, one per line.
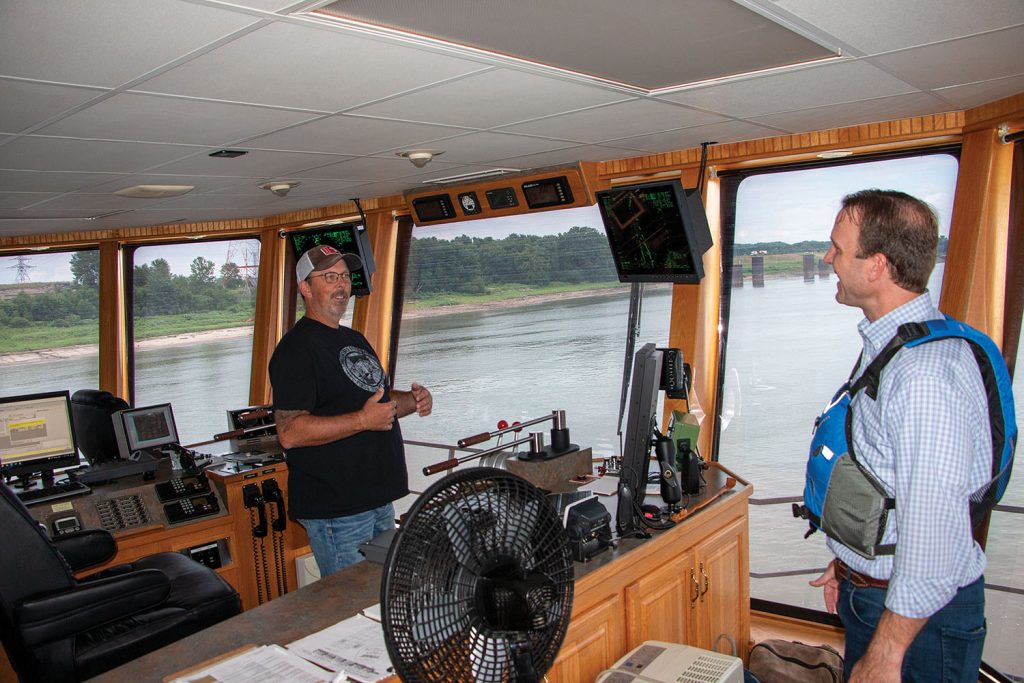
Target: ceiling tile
(882, 25)
(674, 42)
(615, 121)
(51, 181)
(485, 147)
(256, 164)
(61, 154)
(491, 99)
(357, 135)
(152, 118)
(27, 104)
(19, 200)
(967, 60)
(566, 156)
(69, 41)
(94, 203)
(309, 67)
(975, 94)
(685, 138)
(306, 188)
(852, 113)
(201, 183)
(843, 81)
(363, 168)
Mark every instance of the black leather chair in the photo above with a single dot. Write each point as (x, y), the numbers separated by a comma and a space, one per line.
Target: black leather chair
(59, 628)
(94, 430)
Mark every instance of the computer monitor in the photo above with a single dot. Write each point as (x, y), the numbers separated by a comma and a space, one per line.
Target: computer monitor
(144, 429)
(641, 423)
(658, 232)
(346, 238)
(36, 434)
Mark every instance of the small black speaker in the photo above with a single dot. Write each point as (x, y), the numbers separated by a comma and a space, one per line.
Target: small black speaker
(689, 465)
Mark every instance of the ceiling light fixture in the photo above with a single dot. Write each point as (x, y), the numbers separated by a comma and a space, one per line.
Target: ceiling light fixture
(475, 175)
(420, 157)
(835, 154)
(280, 187)
(154, 191)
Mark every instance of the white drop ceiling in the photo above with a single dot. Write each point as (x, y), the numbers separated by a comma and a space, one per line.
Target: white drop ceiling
(98, 95)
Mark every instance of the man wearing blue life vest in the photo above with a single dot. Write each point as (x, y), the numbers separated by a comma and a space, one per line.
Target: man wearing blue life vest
(917, 614)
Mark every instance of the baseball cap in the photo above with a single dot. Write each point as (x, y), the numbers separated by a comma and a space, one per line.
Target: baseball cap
(323, 257)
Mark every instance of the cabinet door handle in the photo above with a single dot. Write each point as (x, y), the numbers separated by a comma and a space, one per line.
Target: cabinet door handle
(696, 588)
(707, 582)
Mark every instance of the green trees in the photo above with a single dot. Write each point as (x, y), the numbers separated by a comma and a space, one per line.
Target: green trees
(467, 265)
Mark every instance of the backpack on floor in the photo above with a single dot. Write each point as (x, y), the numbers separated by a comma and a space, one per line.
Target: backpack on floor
(783, 661)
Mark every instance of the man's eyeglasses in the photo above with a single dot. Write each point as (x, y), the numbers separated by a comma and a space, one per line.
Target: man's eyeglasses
(330, 277)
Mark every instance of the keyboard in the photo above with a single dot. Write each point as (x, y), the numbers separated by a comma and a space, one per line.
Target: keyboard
(64, 489)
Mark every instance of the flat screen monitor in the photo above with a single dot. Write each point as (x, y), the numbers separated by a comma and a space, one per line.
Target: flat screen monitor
(146, 428)
(658, 232)
(641, 423)
(36, 434)
(345, 237)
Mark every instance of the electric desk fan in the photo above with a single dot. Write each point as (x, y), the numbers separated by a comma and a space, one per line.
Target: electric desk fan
(478, 582)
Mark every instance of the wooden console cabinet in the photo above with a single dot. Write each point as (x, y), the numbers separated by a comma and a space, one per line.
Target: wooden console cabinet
(689, 584)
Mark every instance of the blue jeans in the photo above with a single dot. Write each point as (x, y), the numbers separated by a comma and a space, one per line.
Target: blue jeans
(335, 541)
(948, 648)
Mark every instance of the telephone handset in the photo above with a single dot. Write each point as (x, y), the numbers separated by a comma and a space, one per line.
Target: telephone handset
(253, 499)
(272, 493)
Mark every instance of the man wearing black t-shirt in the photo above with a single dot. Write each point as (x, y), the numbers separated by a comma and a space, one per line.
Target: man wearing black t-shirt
(337, 419)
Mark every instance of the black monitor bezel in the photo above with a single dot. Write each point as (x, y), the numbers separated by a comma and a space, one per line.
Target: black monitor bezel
(48, 464)
(302, 240)
(691, 228)
(641, 423)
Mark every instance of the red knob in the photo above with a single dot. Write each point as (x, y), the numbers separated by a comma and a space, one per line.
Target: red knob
(502, 424)
(516, 424)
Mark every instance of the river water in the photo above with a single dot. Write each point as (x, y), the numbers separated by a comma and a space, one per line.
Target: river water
(790, 346)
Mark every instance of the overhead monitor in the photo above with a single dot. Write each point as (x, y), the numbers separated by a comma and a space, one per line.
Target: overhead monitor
(36, 434)
(345, 237)
(149, 428)
(658, 232)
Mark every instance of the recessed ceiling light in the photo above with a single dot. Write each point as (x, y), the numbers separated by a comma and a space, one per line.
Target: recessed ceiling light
(154, 191)
(228, 153)
(835, 154)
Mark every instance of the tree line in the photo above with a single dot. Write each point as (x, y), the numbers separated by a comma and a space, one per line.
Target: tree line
(469, 265)
(156, 291)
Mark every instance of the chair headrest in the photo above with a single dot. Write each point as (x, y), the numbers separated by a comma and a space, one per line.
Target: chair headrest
(94, 430)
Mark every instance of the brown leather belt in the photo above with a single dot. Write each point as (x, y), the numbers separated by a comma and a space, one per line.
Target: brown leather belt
(844, 573)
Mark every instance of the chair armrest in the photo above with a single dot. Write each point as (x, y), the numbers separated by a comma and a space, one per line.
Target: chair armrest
(60, 615)
(84, 549)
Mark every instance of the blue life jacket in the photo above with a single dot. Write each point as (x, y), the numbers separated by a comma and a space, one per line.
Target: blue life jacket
(843, 498)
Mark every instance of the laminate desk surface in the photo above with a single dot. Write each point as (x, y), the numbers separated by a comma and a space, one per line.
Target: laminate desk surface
(282, 621)
(325, 602)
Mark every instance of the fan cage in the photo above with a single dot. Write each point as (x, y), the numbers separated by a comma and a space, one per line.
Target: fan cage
(478, 583)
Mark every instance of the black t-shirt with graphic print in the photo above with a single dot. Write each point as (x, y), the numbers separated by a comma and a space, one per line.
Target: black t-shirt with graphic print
(331, 371)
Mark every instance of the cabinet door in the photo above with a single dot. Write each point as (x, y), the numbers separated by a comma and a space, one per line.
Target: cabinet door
(658, 604)
(724, 603)
(592, 644)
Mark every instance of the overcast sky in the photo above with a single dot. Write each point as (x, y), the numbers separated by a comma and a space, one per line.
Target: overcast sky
(785, 207)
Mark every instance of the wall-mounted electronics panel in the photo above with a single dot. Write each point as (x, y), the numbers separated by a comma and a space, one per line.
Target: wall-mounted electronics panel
(505, 196)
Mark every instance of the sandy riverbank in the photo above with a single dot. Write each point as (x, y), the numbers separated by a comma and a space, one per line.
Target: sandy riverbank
(81, 350)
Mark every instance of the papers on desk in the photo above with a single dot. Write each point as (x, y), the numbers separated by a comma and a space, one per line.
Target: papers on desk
(354, 647)
(267, 663)
(351, 650)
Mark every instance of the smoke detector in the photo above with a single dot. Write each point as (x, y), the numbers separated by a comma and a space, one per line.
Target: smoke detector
(280, 187)
(420, 157)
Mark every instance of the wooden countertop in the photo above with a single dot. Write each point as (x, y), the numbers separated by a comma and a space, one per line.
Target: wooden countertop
(324, 603)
